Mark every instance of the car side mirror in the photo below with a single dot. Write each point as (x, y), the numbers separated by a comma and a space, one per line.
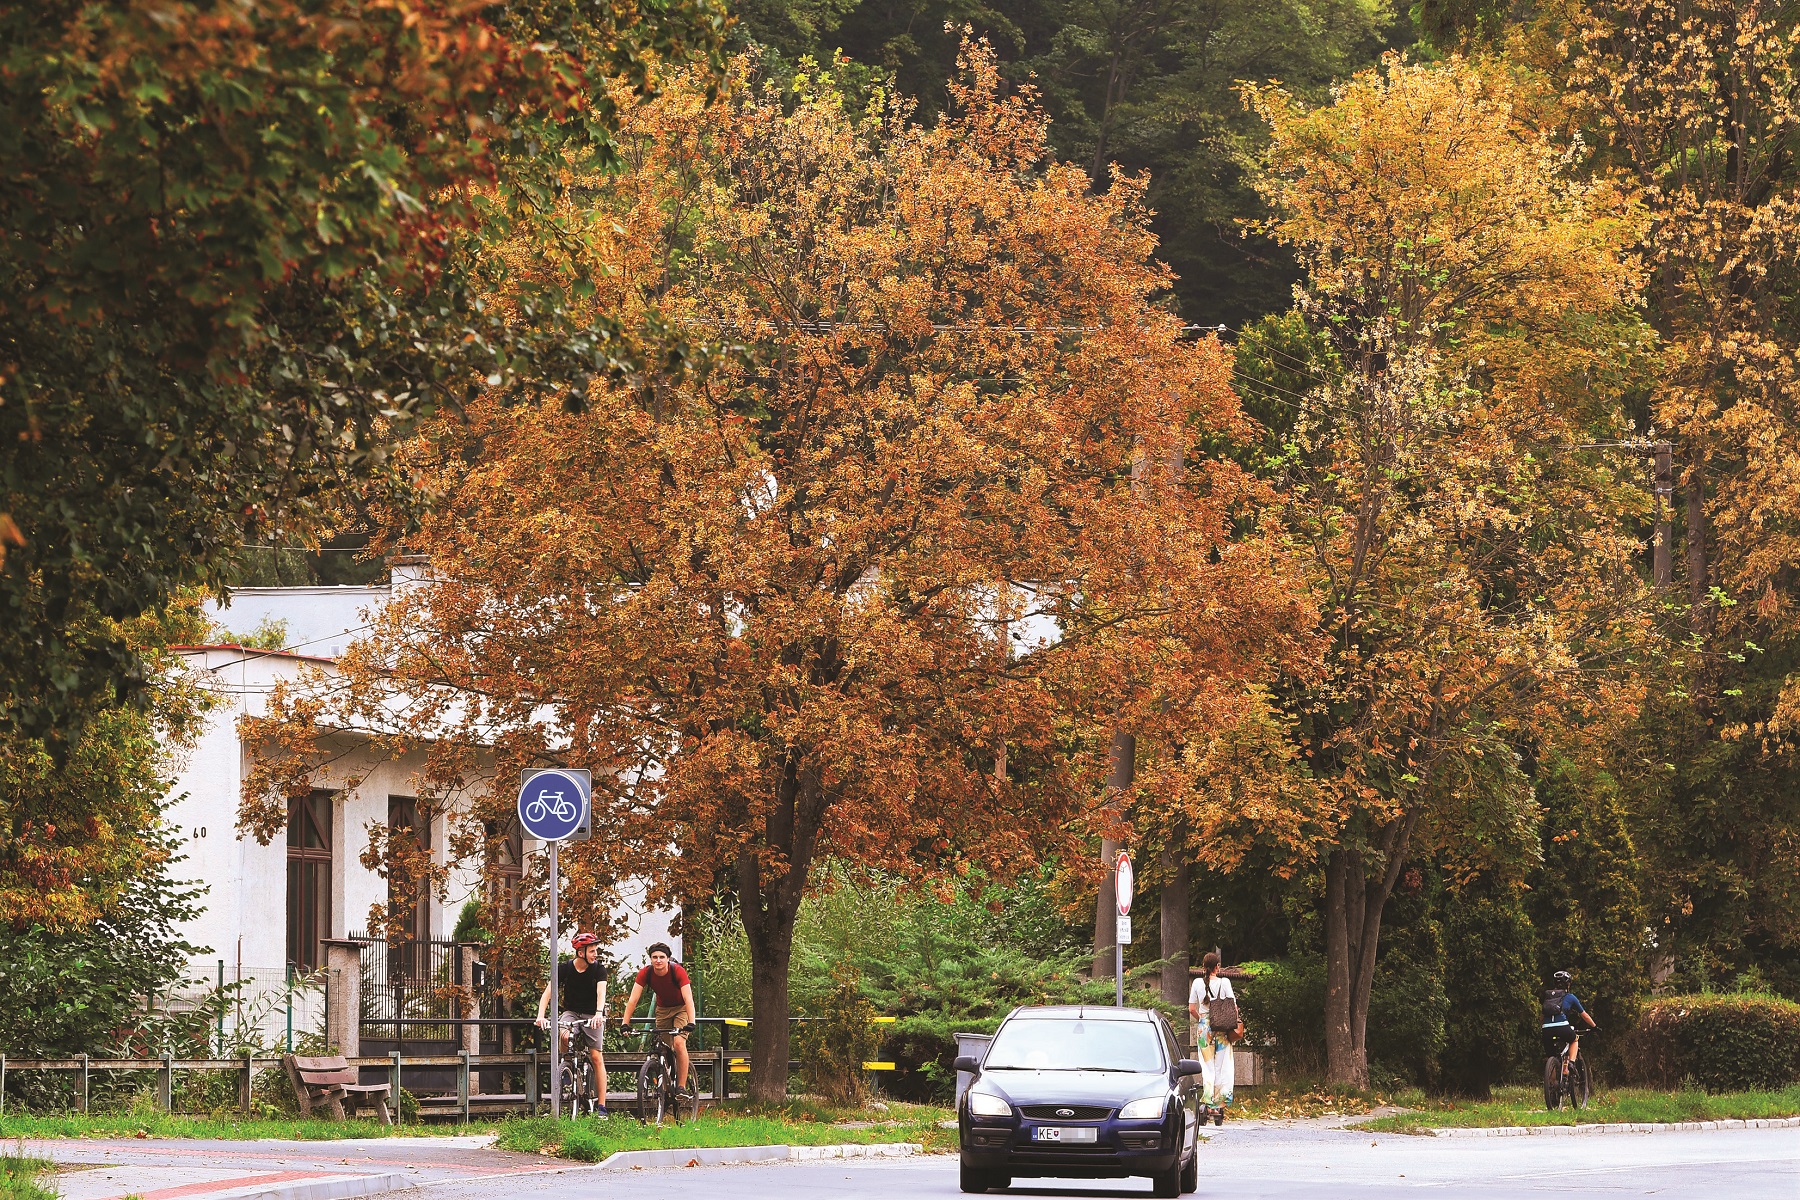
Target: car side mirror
(967, 1062)
(1190, 1066)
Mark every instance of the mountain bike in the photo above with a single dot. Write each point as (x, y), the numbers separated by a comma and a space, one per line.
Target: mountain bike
(576, 1089)
(658, 1092)
(1565, 1078)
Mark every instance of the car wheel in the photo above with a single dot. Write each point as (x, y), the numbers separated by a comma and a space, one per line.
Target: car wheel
(1166, 1183)
(1190, 1174)
(977, 1181)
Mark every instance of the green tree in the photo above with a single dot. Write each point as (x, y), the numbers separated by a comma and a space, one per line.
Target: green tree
(1584, 900)
(1491, 953)
(236, 257)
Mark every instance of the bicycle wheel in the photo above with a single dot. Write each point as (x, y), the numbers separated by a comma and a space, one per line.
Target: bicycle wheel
(649, 1088)
(1580, 1085)
(568, 1091)
(1553, 1083)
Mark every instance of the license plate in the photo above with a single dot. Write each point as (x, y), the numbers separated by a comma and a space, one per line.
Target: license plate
(1063, 1133)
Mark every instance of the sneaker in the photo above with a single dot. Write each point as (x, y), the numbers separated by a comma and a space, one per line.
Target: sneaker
(1218, 1116)
(600, 1112)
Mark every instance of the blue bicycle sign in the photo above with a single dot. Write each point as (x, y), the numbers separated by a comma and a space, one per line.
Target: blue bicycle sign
(553, 804)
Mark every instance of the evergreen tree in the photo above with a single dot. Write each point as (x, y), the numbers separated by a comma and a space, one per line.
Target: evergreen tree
(1584, 900)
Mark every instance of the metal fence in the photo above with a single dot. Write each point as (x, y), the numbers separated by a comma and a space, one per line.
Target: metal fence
(249, 1008)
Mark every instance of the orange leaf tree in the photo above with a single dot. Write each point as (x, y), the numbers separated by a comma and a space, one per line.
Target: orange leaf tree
(1467, 302)
(846, 585)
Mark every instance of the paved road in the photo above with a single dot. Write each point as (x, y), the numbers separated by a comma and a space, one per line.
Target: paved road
(1246, 1161)
(1250, 1161)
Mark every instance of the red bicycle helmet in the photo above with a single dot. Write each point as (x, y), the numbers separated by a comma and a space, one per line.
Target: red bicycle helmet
(584, 939)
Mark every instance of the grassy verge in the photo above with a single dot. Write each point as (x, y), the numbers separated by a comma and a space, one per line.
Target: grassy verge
(1299, 1101)
(1525, 1106)
(19, 1178)
(797, 1123)
(163, 1125)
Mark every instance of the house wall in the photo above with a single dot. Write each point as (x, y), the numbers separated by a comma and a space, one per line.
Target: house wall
(243, 924)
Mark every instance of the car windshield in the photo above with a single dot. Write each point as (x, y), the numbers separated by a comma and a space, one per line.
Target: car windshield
(1072, 1044)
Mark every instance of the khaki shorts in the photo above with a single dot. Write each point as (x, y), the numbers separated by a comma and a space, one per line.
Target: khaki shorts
(671, 1016)
(586, 1035)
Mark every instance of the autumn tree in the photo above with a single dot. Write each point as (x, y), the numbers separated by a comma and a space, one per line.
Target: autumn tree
(845, 585)
(1467, 303)
(235, 257)
(1694, 102)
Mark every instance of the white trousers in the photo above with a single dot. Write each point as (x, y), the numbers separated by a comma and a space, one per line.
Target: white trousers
(1216, 1057)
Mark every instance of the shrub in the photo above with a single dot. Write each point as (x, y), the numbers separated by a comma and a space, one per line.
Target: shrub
(1724, 1043)
(841, 1036)
(1283, 1004)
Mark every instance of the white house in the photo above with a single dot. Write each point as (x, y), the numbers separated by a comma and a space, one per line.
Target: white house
(269, 908)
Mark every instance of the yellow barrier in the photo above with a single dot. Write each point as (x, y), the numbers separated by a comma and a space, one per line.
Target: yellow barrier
(885, 1020)
(878, 1066)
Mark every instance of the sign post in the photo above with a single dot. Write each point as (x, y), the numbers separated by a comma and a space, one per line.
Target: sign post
(1122, 881)
(553, 807)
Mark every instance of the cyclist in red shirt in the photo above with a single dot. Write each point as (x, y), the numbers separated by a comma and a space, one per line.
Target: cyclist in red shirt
(674, 1002)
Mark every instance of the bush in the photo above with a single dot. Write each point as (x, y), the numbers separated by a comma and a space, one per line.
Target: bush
(1729, 1043)
(841, 1036)
(1283, 1004)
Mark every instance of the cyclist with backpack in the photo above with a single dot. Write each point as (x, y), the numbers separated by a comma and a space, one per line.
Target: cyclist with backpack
(674, 1003)
(583, 987)
(1561, 1009)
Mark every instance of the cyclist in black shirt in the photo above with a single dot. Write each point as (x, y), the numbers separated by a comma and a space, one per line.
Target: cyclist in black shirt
(583, 987)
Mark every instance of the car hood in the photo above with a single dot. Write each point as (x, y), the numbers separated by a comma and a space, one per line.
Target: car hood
(1111, 1088)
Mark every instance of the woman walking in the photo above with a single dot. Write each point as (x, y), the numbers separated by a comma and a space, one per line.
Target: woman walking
(1212, 1006)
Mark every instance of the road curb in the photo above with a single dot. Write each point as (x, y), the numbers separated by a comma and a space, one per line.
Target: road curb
(1619, 1127)
(721, 1156)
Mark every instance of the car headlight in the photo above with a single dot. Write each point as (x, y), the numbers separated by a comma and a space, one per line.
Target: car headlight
(981, 1104)
(1146, 1108)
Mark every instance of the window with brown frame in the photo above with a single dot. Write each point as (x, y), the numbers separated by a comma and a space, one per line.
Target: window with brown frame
(506, 864)
(410, 954)
(309, 879)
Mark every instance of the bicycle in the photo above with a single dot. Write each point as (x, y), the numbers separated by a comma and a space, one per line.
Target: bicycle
(658, 1091)
(537, 810)
(577, 1082)
(1565, 1078)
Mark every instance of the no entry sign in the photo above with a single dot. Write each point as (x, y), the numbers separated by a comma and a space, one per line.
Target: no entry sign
(1122, 880)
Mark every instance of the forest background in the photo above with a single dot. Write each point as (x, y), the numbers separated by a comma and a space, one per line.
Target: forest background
(1641, 829)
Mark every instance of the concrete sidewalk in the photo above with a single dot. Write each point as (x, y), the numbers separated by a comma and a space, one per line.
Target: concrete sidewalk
(154, 1169)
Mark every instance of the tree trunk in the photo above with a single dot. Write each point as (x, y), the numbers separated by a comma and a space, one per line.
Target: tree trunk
(1174, 925)
(1696, 541)
(769, 907)
(769, 1032)
(1353, 907)
(1106, 905)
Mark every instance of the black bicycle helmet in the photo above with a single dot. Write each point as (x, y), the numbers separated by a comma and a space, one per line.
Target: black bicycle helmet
(1562, 979)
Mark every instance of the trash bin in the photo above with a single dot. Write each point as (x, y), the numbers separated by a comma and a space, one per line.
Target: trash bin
(974, 1045)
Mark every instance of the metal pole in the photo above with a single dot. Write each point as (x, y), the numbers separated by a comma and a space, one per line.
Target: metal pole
(1118, 974)
(290, 1008)
(221, 1008)
(555, 1011)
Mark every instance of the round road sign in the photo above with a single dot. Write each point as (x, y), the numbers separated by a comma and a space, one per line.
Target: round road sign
(552, 805)
(1122, 880)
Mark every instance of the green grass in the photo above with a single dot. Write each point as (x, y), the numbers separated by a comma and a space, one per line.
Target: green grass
(797, 1123)
(19, 1177)
(1525, 1106)
(163, 1125)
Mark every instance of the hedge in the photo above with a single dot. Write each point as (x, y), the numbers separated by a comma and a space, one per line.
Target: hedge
(1723, 1043)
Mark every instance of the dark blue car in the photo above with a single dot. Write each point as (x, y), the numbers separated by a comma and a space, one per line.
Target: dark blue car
(1081, 1093)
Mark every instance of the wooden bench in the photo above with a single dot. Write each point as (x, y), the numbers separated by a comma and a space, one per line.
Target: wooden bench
(332, 1082)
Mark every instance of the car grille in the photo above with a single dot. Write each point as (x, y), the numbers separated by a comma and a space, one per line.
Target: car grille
(1065, 1112)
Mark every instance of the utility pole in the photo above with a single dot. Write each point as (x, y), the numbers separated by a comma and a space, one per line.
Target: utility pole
(1663, 558)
